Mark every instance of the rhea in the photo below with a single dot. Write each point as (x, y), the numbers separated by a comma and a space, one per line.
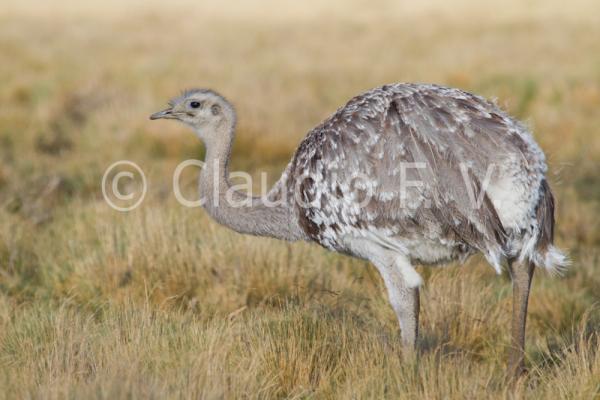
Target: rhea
(402, 175)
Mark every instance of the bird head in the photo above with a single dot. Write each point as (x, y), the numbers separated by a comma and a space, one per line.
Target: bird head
(204, 110)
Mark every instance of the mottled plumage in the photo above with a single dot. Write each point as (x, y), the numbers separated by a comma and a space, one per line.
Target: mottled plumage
(447, 139)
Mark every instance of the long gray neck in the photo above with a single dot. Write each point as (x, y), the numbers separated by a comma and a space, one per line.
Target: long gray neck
(240, 211)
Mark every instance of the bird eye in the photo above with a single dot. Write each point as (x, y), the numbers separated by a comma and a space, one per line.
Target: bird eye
(195, 104)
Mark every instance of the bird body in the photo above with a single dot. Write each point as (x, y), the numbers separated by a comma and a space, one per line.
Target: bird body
(403, 174)
(350, 170)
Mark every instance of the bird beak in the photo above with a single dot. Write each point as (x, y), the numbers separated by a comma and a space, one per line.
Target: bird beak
(167, 114)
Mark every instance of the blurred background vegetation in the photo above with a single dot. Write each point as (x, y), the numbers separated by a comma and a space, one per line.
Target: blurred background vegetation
(161, 302)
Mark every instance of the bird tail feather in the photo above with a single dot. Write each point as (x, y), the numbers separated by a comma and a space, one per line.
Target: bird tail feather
(539, 249)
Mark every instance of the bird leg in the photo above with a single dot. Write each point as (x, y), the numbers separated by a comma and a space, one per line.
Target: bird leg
(521, 276)
(405, 302)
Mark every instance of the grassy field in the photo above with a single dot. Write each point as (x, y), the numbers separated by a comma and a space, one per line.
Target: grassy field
(162, 303)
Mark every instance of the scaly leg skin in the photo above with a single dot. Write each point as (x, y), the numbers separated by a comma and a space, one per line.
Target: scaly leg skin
(521, 276)
(402, 284)
(405, 302)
